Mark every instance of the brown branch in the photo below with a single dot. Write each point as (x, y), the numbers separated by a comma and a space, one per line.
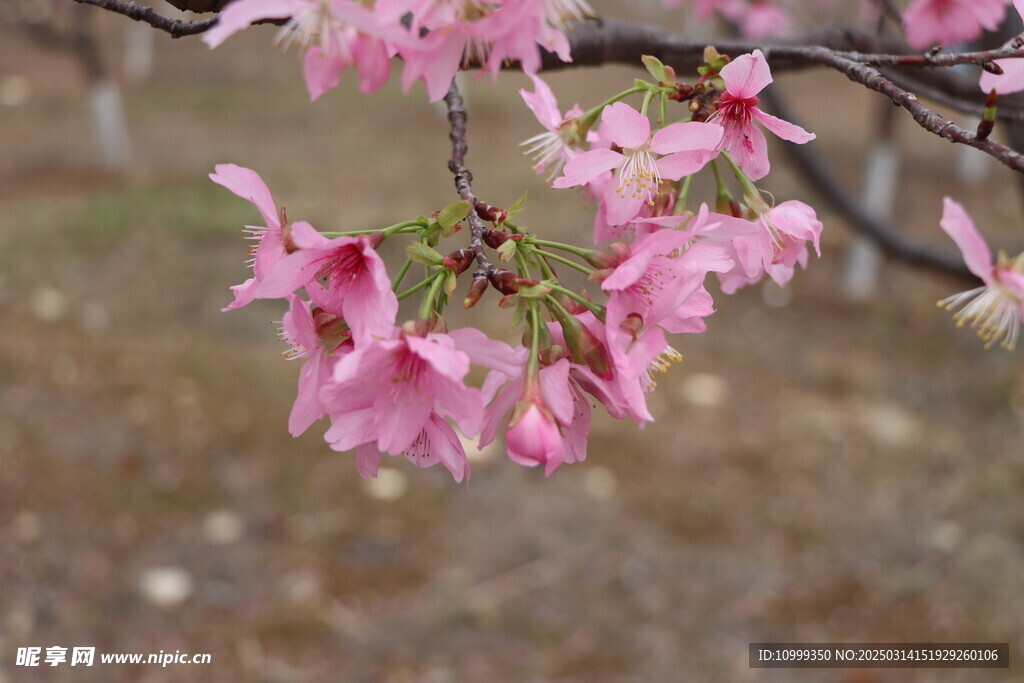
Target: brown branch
(174, 27)
(926, 118)
(464, 179)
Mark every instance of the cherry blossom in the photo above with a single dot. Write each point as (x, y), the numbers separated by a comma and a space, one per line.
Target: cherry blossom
(930, 22)
(744, 78)
(319, 337)
(273, 240)
(996, 309)
(683, 149)
(356, 276)
(1012, 78)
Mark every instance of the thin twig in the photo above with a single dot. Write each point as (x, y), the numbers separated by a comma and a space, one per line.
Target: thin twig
(464, 179)
(174, 27)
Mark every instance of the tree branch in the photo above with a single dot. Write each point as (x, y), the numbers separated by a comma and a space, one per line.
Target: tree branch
(464, 179)
(174, 27)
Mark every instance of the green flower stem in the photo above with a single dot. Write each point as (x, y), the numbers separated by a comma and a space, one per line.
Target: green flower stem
(590, 305)
(684, 194)
(721, 188)
(750, 191)
(648, 96)
(562, 259)
(401, 275)
(390, 230)
(533, 362)
(417, 287)
(592, 114)
(578, 251)
(521, 266)
(431, 297)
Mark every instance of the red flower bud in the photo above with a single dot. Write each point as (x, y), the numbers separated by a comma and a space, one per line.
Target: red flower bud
(507, 282)
(476, 290)
(495, 238)
(459, 261)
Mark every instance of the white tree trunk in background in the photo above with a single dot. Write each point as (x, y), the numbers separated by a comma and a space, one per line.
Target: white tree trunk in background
(110, 127)
(863, 259)
(138, 51)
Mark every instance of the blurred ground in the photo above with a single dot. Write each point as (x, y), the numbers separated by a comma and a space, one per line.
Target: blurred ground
(817, 471)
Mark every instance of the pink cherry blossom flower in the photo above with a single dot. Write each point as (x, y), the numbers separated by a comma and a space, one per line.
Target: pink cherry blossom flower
(656, 277)
(686, 147)
(436, 443)
(319, 337)
(273, 240)
(386, 391)
(356, 277)
(562, 141)
(532, 437)
(763, 19)
(1012, 78)
(772, 245)
(996, 309)
(737, 111)
(550, 416)
(487, 34)
(928, 22)
(335, 35)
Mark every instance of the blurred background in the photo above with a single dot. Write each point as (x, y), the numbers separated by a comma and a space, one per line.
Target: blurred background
(827, 464)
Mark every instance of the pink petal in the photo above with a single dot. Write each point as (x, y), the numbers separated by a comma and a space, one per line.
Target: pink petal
(290, 273)
(244, 294)
(321, 72)
(498, 409)
(747, 75)
(542, 103)
(677, 166)
(687, 137)
(373, 62)
(620, 209)
(445, 447)
(367, 460)
(242, 13)
(368, 304)
(784, 129)
(554, 387)
(248, 185)
(588, 166)
(960, 227)
(439, 352)
(575, 434)
(350, 429)
(399, 416)
(625, 126)
(490, 353)
(308, 408)
(749, 149)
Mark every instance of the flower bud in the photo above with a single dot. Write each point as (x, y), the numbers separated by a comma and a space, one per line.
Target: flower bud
(533, 437)
(495, 238)
(507, 282)
(459, 261)
(586, 349)
(600, 260)
(476, 290)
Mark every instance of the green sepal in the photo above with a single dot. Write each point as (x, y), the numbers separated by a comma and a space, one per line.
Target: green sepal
(421, 253)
